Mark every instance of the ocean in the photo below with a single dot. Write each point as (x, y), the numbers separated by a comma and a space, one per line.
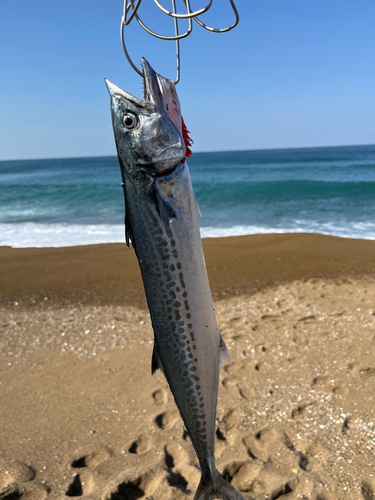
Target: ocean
(79, 201)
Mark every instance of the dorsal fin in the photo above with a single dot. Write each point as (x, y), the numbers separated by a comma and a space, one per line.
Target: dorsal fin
(156, 361)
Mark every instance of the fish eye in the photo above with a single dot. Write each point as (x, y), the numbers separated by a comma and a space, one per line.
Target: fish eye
(130, 120)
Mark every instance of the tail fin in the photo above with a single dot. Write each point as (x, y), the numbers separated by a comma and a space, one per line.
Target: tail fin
(222, 490)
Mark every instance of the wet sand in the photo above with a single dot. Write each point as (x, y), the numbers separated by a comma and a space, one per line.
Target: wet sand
(81, 415)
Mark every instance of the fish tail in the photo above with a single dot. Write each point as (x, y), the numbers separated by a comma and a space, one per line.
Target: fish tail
(222, 489)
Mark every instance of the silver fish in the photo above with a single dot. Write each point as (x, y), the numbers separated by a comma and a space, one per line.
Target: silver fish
(161, 220)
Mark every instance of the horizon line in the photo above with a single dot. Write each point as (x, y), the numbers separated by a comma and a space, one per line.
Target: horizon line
(195, 152)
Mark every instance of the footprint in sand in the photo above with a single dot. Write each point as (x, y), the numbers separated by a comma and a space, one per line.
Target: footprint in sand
(256, 448)
(141, 445)
(160, 397)
(181, 474)
(322, 382)
(230, 420)
(167, 419)
(246, 392)
(260, 445)
(14, 482)
(84, 481)
(82, 484)
(326, 384)
(75, 488)
(233, 374)
(14, 473)
(253, 476)
(91, 460)
(274, 484)
(31, 494)
(244, 477)
(233, 367)
(229, 382)
(262, 476)
(303, 460)
(137, 487)
(340, 390)
(175, 455)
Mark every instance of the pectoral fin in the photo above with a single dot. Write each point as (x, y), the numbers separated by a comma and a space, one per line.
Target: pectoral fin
(223, 352)
(166, 209)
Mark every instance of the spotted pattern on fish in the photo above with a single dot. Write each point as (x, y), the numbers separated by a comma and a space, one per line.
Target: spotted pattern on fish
(181, 334)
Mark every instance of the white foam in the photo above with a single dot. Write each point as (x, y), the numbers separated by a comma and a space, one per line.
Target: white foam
(360, 230)
(30, 234)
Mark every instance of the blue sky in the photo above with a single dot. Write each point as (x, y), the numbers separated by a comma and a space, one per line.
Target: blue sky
(294, 73)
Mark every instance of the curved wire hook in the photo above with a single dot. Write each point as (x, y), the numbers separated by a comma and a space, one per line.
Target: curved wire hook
(176, 37)
(125, 21)
(173, 14)
(221, 30)
(189, 15)
(197, 13)
(163, 37)
(126, 10)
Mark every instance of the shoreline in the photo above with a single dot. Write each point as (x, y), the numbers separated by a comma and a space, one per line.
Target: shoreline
(115, 235)
(108, 273)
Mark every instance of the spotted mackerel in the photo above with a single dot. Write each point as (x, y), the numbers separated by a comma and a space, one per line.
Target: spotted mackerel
(161, 221)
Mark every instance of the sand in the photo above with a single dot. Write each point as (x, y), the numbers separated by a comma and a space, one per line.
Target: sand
(81, 415)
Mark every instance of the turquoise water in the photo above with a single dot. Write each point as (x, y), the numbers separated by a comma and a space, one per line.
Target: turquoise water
(64, 202)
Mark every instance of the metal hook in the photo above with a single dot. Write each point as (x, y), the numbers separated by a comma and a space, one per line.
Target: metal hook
(125, 21)
(163, 37)
(221, 30)
(189, 15)
(176, 37)
(127, 8)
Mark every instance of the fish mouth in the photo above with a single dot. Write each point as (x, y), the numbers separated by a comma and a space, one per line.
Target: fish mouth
(151, 89)
(159, 93)
(162, 93)
(117, 92)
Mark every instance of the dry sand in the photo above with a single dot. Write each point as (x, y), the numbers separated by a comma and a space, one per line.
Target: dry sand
(80, 414)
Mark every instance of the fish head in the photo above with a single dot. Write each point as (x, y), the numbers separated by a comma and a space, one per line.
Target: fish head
(148, 132)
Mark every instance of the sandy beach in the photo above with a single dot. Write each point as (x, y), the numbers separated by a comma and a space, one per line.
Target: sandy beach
(81, 415)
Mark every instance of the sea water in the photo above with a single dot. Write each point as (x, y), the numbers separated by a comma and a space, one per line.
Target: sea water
(79, 201)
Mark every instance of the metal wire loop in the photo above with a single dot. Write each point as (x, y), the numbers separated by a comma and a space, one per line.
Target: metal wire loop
(189, 14)
(221, 30)
(130, 6)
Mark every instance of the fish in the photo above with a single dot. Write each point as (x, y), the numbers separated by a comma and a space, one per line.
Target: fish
(161, 222)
